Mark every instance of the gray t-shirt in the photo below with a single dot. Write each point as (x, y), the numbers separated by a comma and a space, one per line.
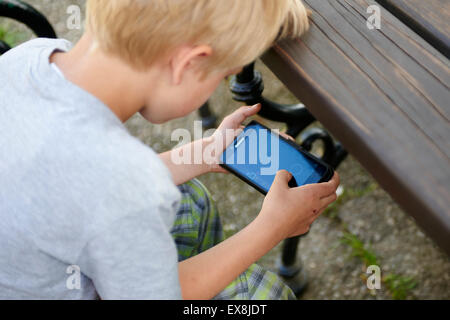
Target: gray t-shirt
(77, 192)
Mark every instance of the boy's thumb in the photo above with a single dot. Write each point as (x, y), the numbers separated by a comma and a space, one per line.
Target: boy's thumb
(282, 178)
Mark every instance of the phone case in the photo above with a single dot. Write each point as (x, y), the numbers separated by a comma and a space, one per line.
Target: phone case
(326, 177)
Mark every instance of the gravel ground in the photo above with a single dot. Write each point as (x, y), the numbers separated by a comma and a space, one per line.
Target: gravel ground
(365, 210)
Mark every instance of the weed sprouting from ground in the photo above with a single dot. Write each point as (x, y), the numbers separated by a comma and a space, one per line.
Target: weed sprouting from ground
(399, 286)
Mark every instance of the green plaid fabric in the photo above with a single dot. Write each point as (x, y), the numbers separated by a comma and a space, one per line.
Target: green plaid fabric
(197, 227)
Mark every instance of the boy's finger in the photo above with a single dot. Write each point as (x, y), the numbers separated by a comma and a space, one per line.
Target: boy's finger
(219, 169)
(239, 116)
(325, 189)
(326, 201)
(252, 110)
(282, 179)
(331, 186)
(285, 135)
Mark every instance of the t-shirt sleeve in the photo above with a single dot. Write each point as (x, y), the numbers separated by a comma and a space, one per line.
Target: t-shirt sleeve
(135, 257)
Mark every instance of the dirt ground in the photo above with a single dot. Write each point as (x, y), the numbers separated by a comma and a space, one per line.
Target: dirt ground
(375, 227)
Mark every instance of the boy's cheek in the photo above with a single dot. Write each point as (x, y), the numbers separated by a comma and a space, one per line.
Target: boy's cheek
(182, 101)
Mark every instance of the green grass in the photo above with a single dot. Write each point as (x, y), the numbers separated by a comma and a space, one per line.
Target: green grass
(399, 286)
(367, 256)
(12, 37)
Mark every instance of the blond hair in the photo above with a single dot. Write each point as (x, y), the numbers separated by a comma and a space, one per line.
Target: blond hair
(239, 31)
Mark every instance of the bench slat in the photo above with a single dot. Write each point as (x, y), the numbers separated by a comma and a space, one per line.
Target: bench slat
(430, 19)
(385, 95)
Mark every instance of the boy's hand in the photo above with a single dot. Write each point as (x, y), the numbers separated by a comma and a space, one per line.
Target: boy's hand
(228, 130)
(233, 124)
(291, 211)
(211, 148)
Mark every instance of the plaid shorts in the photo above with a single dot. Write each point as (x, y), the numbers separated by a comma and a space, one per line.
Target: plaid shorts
(197, 228)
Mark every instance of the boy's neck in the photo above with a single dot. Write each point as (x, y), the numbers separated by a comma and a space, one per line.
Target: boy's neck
(106, 77)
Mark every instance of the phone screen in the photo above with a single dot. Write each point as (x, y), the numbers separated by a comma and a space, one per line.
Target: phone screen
(258, 153)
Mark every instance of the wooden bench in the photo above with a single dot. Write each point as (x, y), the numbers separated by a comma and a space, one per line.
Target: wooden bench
(383, 93)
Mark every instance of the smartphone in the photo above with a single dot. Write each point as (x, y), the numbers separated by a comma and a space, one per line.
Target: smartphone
(258, 153)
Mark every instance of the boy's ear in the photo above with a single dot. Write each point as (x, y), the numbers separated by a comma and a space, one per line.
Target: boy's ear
(185, 58)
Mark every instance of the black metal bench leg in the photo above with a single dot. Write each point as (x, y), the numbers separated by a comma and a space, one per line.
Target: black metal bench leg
(208, 118)
(290, 267)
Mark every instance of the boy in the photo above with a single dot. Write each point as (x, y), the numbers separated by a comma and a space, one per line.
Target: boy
(78, 193)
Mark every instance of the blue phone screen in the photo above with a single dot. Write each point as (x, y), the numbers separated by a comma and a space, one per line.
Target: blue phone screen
(257, 154)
